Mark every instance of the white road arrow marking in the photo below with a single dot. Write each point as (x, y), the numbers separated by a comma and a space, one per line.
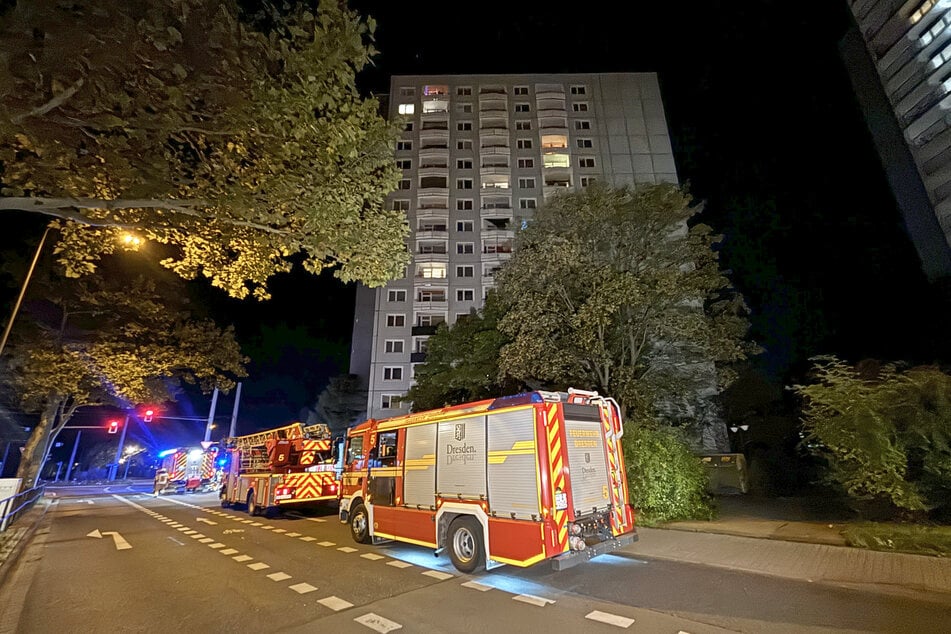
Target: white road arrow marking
(202, 519)
(119, 540)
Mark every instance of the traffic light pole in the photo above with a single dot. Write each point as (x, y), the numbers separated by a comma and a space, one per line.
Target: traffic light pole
(115, 467)
(72, 457)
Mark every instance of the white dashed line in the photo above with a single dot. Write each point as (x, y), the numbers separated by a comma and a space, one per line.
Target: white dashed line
(247, 521)
(435, 574)
(378, 623)
(610, 619)
(197, 536)
(475, 585)
(184, 528)
(291, 534)
(302, 588)
(396, 563)
(255, 523)
(259, 565)
(531, 599)
(191, 532)
(279, 530)
(268, 527)
(326, 544)
(315, 519)
(207, 539)
(228, 551)
(347, 549)
(335, 603)
(242, 558)
(216, 545)
(307, 538)
(372, 556)
(278, 576)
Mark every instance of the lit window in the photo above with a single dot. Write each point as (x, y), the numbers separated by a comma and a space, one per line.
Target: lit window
(397, 295)
(579, 90)
(395, 321)
(521, 90)
(435, 90)
(435, 105)
(464, 126)
(523, 125)
(463, 164)
(526, 162)
(465, 295)
(523, 144)
(464, 204)
(393, 374)
(579, 107)
(555, 160)
(527, 203)
(526, 183)
(586, 161)
(464, 248)
(393, 346)
(550, 141)
(582, 125)
(465, 271)
(404, 164)
(463, 183)
(464, 145)
(465, 225)
(522, 107)
(400, 205)
(431, 271)
(407, 108)
(584, 143)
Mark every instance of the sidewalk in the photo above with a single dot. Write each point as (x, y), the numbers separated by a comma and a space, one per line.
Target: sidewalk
(782, 538)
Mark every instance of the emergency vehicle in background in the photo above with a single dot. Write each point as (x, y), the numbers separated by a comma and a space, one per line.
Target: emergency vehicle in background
(512, 480)
(280, 467)
(189, 469)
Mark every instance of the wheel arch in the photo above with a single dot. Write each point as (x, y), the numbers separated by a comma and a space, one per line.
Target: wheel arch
(449, 511)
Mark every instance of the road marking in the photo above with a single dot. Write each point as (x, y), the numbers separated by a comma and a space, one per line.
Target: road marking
(531, 599)
(228, 551)
(190, 532)
(176, 541)
(307, 538)
(372, 556)
(435, 574)
(610, 619)
(396, 563)
(302, 588)
(233, 530)
(255, 523)
(475, 585)
(315, 519)
(258, 565)
(247, 521)
(206, 540)
(242, 558)
(183, 528)
(268, 527)
(278, 576)
(279, 530)
(216, 545)
(291, 534)
(206, 521)
(378, 623)
(347, 549)
(326, 544)
(117, 539)
(174, 524)
(335, 603)
(197, 536)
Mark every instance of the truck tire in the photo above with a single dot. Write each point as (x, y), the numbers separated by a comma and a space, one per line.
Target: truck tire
(360, 524)
(465, 544)
(252, 505)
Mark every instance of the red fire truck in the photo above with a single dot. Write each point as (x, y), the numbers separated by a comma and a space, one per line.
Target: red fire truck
(512, 480)
(280, 467)
(189, 468)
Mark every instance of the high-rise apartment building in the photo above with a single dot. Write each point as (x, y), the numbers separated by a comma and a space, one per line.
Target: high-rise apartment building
(480, 153)
(899, 58)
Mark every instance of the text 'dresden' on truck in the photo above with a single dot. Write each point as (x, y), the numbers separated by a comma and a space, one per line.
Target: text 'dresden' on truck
(278, 468)
(513, 480)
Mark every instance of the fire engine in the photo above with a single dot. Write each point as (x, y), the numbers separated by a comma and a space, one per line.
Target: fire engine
(189, 468)
(513, 480)
(280, 467)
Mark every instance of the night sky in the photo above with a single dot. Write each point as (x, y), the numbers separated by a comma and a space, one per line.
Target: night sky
(766, 132)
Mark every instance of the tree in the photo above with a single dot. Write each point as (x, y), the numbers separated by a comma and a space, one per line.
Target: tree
(611, 289)
(238, 140)
(462, 362)
(342, 404)
(884, 433)
(111, 342)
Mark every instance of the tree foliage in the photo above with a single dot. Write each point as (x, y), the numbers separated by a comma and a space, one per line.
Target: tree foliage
(342, 404)
(883, 432)
(462, 362)
(236, 141)
(111, 343)
(609, 289)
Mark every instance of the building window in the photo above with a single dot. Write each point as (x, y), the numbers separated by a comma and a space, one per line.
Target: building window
(405, 183)
(395, 321)
(408, 127)
(523, 125)
(584, 143)
(579, 107)
(407, 108)
(527, 203)
(431, 271)
(522, 107)
(586, 161)
(465, 295)
(393, 346)
(465, 271)
(464, 145)
(465, 248)
(582, 125)
(393, 374)
(404, 145)
(464, 225)
(463, 183)
(526, 183)
(464, 108)
(464, 164)
(390, 401)
(587, 180)
(526, 163)
(464, 204)
(404, 164)
(464, 126)
(397, 295)
(521, 90)
(579, 90)
(406, 91)
(464, 91)
(556, 160)
(523, 144)
(400, 205)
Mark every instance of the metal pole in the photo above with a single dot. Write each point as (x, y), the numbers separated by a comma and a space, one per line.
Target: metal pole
(59, 467)
(16, 307)
(115, 469)
(128, 461)
(211, 414)
(72, 456)
(234, 412)
(4, 461)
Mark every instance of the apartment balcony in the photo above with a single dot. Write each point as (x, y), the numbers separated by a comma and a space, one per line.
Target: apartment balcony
(558, 104)
(494, 136)
(496, 213)
(432, 210)
(549, 91)
(417, 357)
(496, 149)
(433, 172)
(495, 170)
(495, 189)
(435, 234)
(553, 125)
(488, 281)
(434, 138)
(439, 305)
(434, 153)
(492, 90)
(497, 234)
(430, 258)
(548, 191)
(433, 144)
(430, 190)
(494, 108)
(423, 331)
(432, 123)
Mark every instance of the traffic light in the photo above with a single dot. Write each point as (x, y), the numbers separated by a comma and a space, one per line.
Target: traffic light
(148, 415)
(113, 426)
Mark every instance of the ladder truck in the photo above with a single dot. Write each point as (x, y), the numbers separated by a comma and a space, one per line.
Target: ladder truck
(279, 468)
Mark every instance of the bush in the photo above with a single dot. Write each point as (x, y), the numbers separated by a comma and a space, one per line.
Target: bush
(666, 480)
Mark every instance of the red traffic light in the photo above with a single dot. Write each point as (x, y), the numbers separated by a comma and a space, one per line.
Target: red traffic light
(113, 426)
(148, 415)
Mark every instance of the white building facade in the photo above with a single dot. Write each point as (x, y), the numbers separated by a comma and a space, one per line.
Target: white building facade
(479, 154)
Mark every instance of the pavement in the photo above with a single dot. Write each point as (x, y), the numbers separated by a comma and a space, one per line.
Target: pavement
(779, 537)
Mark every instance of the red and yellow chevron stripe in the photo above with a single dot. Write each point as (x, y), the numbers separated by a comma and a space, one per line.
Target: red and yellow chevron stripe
(310, 449)
(309, 487)
(557, 460)
(617, 502)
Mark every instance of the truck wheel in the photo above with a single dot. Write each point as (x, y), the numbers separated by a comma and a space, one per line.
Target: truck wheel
(360, 524)
(465, 544)
(252, 505)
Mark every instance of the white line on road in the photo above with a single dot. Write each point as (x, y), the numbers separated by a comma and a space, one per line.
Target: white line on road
(372, 556)
(302, 588)
(347, 549)
(259, 565)
(475, 585)
(176, 541)
(278, 576)
(435, 574)
(396, 563)
(228, 551)
(242, 558)
(206, 521)
(378, 623)
(326, 544)
(307, 538)
(335, 603)
(216, 545)
(531, 599)
(291, 534)
(610, 619)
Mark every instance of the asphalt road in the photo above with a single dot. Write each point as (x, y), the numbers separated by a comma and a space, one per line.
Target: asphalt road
(125, 561)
